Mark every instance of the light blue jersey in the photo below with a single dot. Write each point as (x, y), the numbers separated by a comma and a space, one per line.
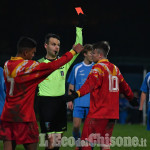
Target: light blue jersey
(146, 89)
(77, 78)
(146, 85)
(2, 90)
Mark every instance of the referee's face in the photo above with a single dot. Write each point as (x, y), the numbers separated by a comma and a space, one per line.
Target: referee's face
(53, 47)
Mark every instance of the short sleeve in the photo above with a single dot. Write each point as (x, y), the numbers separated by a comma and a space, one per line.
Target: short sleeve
(71, 78)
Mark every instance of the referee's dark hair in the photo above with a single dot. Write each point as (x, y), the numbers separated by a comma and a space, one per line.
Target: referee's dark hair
(25, 43)
(103, 47)
(50, 35)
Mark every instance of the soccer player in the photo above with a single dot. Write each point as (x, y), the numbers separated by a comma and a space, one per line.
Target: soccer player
(22, 75)
(2, 90)
(76, 79)
(104, 84)
(52, 109)
(145, 88)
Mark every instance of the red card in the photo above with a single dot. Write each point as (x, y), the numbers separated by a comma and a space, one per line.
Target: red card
(79, 10)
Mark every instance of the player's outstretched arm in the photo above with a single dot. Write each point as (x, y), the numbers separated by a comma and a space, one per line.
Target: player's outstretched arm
(93, 80)
(54, 65)
(39, 71)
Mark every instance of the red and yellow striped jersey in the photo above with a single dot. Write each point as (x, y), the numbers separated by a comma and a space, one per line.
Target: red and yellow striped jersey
(104, 83)
(21, 78)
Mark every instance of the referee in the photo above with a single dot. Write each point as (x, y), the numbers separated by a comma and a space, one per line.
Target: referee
(52, 108)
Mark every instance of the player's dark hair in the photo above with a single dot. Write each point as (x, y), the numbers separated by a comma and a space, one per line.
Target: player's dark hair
(50, 35)
(102, 46)
(87, 47)
(25, 43)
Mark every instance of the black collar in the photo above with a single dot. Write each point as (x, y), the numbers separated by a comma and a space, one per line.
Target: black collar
(52, 59)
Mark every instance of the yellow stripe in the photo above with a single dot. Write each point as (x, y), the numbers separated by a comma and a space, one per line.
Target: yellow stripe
(73, 52)
(114, 71)
(122, 79)
(16, 58)
(14, 73)
(103, 60)
(78, 92)
(96, 75)
(99, 70)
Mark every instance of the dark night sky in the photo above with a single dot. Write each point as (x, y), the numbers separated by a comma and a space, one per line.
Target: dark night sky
(125, 24)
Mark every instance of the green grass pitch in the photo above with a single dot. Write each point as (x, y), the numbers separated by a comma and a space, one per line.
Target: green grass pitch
(138, 131)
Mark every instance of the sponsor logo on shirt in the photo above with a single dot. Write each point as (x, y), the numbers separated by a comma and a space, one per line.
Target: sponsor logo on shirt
(82, 74)
(81, 71)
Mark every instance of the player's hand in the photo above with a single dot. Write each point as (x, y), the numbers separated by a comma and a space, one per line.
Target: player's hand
(134, 102)
(70, 105)
(71, 97)
(82, 20)
(78, 48)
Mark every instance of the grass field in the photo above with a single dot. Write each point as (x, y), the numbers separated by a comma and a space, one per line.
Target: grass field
(138, 131)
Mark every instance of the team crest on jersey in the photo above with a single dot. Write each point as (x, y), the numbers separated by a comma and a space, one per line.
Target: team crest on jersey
(62, 73)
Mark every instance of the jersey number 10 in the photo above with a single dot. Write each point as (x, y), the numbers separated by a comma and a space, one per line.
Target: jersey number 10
(113, 83)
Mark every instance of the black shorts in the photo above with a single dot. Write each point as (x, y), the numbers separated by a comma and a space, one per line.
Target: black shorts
(52, 114)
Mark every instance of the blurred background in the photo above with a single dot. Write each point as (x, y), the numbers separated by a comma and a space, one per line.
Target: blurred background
(125, 24)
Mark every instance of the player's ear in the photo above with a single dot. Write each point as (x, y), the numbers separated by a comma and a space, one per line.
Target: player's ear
(45, 45)
(25, 53)
(84, 54)
(101, 55)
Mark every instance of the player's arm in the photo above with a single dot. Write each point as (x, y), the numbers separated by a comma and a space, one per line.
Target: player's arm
(93, 81)
(124, 87)
(39, 71)
(126, 90)
(70, 104)
(142, 100)
(48, 68)
(144, 89)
